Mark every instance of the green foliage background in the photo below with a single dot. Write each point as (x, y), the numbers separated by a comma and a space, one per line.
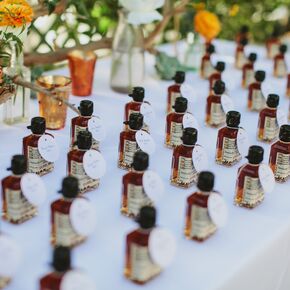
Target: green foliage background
(102, 16)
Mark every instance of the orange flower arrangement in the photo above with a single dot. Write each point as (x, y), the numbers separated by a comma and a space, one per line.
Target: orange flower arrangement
(15, 13)
(207, 24)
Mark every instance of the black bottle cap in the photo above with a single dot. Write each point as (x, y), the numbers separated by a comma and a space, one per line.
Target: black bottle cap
(135, 121)
(140, 161)
(147, 217)
(179, 77)
(61, 261)
(244, 29)
(252, 57)
(244, 41)
(233, 119)
(138, 94)
(219, 87)
(86, 108)
(220, 66)
(255, 154)
(273, 101)
(283, 48)
(260, 75)
(189, 136)
(284, 134)
(37, 125)
(205, 181)
(84, 140)
(180, 105)
(18, 164)
(70, 187)
(210, 49)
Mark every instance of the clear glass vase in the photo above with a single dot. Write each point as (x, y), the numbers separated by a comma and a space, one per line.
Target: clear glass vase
(17, 108)
(127, 69)
(194, 51)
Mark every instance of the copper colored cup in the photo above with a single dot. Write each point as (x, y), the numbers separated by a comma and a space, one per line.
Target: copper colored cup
(82, 69)
(52, 110)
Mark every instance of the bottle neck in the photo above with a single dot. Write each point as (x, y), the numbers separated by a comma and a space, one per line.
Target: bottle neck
(16, 175)
(205, 192)
(252, 164)
(137, 171)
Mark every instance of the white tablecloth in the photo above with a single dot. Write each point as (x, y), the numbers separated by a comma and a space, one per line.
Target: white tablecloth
(251, 252)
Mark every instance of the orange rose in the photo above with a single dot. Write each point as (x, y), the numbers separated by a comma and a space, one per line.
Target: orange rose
(15, 13)
(207, 24)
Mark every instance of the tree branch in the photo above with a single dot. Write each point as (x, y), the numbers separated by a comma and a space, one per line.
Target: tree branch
(42, 10)
(51, 93)
(149, 41)
(61, 54)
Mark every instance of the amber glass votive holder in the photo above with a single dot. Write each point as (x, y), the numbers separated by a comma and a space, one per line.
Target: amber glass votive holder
(54, 111)
(82, 70)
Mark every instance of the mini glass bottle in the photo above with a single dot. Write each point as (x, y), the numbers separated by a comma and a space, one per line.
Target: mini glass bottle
(256, 100)
(248, 75)
(227, 152)
(273, 44)
(215, 115)
(288, 86)
(216, 75)
(62, 231)
(174, 126)
(139, 266)
(243, 33)
(128, 144)
(198, 224)
(240, 57)
(206, 65)
(249, 190)
(133, 194)
(80, 123)
(268, 128)
(280, 66)
(61, 264)
(134, 106)
(75, 162)
(35, 162)
(279, 160)
(15, 207)
(183, 172)
(174, 90)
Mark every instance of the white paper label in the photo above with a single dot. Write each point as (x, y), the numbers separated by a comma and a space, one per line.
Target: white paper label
(199, 158)
(148, 113)
(33, 189)
(96, 127)
(48, 148)
(162, 247)
(187, 92)
(83, 217)
(267, 178)
(94, 164)
(281, 117)
(77, 280)
(153, 185)
(10, 256)
(243, 142)
(145, 141)
(217, 209)
(189, 121)
(227, 103)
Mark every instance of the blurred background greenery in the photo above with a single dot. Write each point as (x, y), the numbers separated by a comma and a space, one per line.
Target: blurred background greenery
(88, 20)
